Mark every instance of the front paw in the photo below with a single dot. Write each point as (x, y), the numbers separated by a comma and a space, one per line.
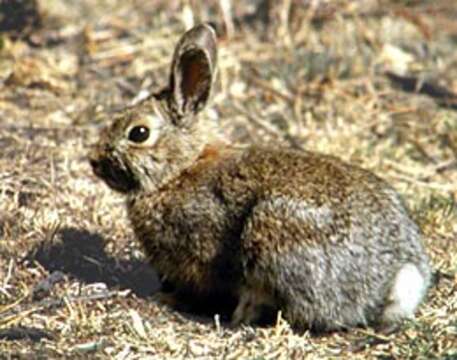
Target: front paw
(166, 298)
(251, 307)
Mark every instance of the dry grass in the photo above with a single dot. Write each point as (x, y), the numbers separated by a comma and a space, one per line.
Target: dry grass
(373, 82)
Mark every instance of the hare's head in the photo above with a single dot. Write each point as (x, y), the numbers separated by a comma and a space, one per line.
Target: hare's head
(153, 141)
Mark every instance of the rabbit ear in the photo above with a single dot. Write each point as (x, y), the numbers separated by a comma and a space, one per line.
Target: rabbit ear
(193, 70)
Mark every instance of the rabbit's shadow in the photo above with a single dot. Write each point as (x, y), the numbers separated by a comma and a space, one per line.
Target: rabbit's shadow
(81, 254)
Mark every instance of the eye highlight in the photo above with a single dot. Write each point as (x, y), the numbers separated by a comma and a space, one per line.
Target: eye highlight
(139, 134)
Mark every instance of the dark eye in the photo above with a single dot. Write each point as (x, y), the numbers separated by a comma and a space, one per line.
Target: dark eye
(139, 134)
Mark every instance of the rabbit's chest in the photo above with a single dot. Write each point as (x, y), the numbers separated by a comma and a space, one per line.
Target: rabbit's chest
(186, 236)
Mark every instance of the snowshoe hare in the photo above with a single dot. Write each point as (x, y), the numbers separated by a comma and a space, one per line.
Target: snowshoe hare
(329, 244)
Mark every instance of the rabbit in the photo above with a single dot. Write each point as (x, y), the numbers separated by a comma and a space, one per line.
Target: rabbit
(327, 243)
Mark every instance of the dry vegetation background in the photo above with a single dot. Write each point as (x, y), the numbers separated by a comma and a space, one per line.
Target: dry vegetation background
(373, 82)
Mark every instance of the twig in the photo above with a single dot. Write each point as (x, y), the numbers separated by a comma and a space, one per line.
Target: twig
(47, 304)
(435, 169)
(426, 184)
(270, 129)
(44, 287)
(226, 9)
(267, 86)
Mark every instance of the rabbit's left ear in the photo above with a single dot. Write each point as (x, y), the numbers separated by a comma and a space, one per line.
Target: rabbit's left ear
(193, 70)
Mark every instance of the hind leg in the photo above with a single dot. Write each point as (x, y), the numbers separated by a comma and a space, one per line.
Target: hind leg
(408, 290)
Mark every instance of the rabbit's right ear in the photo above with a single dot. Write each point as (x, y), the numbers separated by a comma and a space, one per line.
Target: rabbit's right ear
(193, 70)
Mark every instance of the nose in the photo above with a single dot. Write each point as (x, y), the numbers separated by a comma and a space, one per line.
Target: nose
(93, 156)
(94, 163)
(97, 167)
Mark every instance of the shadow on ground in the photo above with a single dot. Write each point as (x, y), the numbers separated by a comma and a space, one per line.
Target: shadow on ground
(81, 254)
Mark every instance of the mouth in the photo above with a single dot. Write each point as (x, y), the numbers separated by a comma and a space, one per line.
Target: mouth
(117, 177)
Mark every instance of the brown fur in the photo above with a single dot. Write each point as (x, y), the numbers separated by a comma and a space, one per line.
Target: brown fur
(302, 232)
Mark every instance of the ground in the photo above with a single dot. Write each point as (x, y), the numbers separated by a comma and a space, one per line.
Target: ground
(373, 82)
